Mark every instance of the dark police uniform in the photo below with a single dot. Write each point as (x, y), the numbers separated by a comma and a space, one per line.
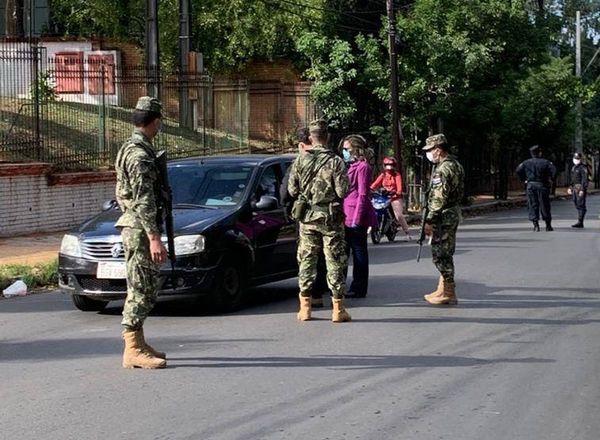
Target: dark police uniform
(538, 174)
(578, 186)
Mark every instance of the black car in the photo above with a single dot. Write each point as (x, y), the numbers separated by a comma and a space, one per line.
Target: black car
(231, 232)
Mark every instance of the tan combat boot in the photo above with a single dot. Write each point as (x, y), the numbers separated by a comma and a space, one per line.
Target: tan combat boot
(437, 292)
(447, 297)
(134, 354)
(305, 308)
(339, 311)
(149, 349)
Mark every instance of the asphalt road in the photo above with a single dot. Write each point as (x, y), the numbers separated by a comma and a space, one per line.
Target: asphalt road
(518, 358)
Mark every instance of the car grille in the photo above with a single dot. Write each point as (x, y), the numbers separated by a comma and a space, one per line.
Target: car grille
(93, 284)
(103, 249)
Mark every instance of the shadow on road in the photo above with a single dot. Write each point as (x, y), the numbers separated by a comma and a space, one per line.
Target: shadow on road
(348, 362)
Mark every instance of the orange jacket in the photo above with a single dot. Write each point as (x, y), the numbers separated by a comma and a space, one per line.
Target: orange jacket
(391, 182)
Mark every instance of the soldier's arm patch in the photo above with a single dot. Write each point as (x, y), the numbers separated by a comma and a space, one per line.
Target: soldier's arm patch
(436, 179)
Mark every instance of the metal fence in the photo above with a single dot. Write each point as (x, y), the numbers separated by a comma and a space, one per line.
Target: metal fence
(75, 113)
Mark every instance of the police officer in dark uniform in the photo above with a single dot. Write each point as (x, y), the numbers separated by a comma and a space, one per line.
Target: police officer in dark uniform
(538, 174)
(578, 187)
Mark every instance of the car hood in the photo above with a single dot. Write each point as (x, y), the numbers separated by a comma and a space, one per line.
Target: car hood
(186, 221)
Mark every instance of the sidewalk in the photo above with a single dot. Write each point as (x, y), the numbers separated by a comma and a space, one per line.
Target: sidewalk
(43, 247)
(30, 249)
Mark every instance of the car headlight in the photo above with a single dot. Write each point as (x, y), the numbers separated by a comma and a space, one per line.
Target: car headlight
(189, 244)
(70, 246)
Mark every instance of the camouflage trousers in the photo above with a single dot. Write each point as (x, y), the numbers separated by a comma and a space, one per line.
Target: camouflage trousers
(443, 244)
(313, 237)
(142, 278)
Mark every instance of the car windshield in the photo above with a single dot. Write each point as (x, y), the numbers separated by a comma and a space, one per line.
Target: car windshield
(209, 185)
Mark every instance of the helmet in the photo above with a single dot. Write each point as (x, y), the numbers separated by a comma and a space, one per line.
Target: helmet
(390, 161)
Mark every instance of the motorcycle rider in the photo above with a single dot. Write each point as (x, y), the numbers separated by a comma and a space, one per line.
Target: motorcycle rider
(391, 181)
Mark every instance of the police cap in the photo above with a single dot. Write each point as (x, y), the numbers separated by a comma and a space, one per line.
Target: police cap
(535, 149)
(578, 156)
(149, 104)
(437, 140)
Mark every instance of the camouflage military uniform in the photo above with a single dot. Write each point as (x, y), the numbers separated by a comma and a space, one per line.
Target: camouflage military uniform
(138, 195)
(445, 195)
(322, 224)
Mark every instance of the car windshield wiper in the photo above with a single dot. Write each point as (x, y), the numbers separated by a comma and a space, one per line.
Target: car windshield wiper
(193, 206)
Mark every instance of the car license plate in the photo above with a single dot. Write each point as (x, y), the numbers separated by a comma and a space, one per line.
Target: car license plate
(113, 270)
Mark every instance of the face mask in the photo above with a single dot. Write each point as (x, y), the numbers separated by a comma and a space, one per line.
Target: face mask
(389, 167)
(576, 161)
(430, 156)
(347, 156)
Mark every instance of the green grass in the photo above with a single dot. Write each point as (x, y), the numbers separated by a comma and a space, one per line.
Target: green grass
(71, 135)
(39, 275)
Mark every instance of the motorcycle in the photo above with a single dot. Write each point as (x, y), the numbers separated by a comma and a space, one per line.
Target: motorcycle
(386, 221)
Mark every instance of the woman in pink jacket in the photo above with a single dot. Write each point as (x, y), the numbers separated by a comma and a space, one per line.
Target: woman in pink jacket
(359, 212)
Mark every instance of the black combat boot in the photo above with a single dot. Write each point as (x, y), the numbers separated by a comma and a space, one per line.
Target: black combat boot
(536, 226)
(579, 223)
(549, 226)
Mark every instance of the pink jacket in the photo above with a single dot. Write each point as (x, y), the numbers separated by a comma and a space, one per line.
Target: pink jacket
(357, 204)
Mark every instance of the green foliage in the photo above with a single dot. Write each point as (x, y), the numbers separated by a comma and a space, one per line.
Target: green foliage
(46, 90)
(495, 75)
(332, 69)
(40, 275)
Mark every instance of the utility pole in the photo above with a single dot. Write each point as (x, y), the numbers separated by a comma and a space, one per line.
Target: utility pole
(184, 68)
(152, 51)
(395, 128)
(578, 109)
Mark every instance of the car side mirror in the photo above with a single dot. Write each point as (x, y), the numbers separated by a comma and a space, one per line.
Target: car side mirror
(109, 204)
(266, 203)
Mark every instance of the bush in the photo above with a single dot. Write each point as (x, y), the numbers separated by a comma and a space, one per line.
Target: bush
(40, 275)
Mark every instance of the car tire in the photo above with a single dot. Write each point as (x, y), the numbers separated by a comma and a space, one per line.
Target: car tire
(230, 286)
(86, 304)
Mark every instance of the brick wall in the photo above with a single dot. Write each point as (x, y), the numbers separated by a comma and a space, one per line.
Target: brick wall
(278, 108)
(33, 199)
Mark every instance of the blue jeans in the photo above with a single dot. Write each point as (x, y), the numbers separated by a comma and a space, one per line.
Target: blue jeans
(356, 245)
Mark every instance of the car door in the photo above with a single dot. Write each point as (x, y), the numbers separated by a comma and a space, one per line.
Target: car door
(274, 233)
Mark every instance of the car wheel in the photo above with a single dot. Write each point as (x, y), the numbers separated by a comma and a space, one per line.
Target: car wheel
(86, 304)
(230, 286)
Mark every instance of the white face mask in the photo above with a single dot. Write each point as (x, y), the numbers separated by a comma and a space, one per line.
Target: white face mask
(389, 167)
(430, 156)
(576, 161)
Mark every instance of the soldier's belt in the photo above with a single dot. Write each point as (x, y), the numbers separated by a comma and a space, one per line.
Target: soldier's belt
(319, 208)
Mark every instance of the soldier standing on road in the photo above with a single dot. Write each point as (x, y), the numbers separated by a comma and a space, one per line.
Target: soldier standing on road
(444, 214)
(538, 174)
(578, 188)
(139, 196)
(318, 181)
(302, 140)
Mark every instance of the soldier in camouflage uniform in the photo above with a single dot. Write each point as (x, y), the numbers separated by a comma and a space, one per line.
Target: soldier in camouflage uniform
(318, 181)
(139, 197)
(445, 194)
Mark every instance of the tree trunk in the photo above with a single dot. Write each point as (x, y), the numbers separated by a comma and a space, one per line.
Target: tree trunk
(13, 19)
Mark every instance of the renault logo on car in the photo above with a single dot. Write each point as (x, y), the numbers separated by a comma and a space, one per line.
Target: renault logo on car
(115, 251)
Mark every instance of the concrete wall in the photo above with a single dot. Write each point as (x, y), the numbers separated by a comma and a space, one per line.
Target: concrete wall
(33, 199)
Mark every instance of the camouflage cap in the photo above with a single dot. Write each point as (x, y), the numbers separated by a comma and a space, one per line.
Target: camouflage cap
(149, 104)
(318, 125)
(434, 141)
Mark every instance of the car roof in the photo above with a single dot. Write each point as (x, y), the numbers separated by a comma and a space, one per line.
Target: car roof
(242, 159)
